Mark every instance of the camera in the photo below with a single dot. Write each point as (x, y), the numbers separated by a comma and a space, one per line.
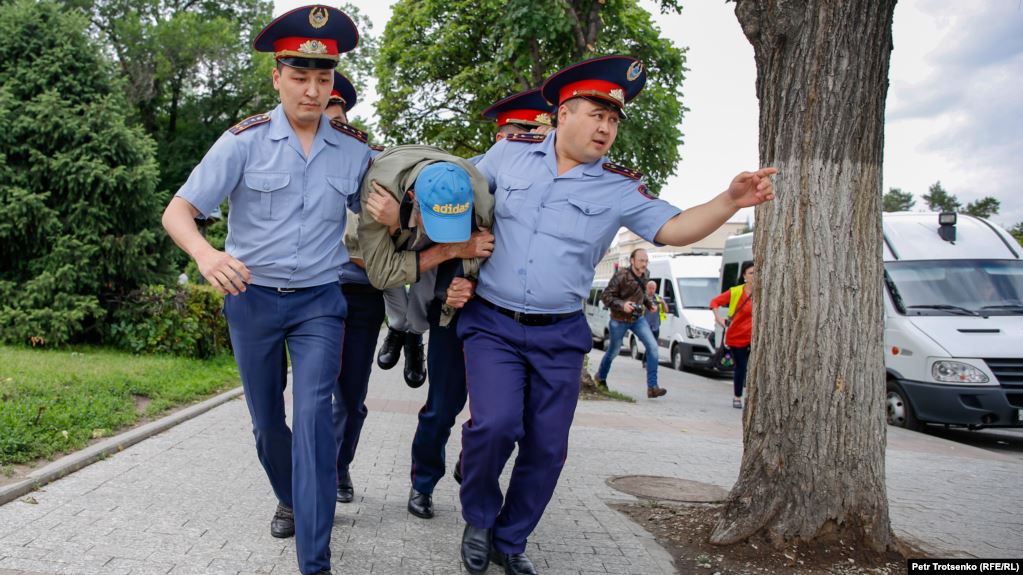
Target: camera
(637, 312)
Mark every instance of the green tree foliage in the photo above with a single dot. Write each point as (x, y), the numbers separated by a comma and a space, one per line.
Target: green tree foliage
(938, 200)
(190, 70)
(1017, 232)
(77, 182)
(897, 201)
(443, 61)
(983, 208)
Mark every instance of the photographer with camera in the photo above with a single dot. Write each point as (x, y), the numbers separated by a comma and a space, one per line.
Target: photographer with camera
(626, 298)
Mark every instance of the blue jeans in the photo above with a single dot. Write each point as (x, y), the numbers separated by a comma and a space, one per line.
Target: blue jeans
(641, 328)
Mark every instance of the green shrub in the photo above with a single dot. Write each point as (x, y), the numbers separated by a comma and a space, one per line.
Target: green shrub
(182, 320)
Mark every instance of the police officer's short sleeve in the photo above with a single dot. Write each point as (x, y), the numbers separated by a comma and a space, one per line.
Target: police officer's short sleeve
(643, 213)
(216, 176)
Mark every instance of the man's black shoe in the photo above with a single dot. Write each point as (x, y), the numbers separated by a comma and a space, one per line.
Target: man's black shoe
(415, 361)
(390, 350)
(283, 523)
(475, 549)
(513, 563)
(456, 474)
(345, 489)
(420, 504)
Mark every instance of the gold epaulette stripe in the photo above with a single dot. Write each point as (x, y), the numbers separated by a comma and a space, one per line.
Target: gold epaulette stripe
(527, 137)
(249, 122)
(349, 130)
(377, 147)
(622, 170)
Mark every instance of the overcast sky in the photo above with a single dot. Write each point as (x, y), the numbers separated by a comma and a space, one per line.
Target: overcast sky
(954, 113)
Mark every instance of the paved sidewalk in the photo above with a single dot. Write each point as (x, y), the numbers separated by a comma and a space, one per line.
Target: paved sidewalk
(194, 500)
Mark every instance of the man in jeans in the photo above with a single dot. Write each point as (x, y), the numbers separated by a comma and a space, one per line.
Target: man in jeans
(626, 298)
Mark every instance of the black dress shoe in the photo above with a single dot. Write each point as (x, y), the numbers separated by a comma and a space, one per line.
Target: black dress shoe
(475, 549)
(420, 504)
(345, 489)
(513, 563)
(456, 473)
(283, 523)
(415, 361)
(390, 350)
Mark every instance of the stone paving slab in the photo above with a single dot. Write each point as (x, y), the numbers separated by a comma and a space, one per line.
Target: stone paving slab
(194, 499)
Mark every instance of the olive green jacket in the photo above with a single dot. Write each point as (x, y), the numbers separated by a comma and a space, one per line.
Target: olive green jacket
(396, 169)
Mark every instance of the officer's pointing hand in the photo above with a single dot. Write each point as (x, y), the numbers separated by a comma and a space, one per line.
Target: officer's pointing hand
(223, 272)
(382, 206)
(752, 188)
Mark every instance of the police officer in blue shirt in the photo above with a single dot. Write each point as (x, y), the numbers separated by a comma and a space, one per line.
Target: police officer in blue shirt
(288, 175)
(559, 203)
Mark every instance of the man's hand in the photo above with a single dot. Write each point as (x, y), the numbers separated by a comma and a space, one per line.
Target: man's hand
(460, 292)
(480, 245)
(628, 306)
(752, 188)
(223, 272)
(382, 206)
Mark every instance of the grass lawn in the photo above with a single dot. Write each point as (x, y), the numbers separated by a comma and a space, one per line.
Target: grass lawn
(54, 402)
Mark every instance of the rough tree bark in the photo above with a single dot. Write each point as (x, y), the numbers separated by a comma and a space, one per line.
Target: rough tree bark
(814, 428)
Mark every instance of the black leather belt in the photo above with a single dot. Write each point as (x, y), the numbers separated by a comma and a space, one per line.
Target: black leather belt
(529, 318)
(359, 289)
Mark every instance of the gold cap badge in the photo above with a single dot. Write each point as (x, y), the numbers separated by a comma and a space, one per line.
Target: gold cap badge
(318, 17)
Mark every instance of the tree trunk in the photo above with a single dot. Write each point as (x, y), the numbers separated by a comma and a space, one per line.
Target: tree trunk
(814, 429)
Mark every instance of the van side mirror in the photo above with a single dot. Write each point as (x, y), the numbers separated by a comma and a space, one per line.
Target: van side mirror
(672, 307)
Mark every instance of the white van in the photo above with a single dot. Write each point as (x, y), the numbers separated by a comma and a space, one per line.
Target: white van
(953, 302)
(687, 282)
(597, 315)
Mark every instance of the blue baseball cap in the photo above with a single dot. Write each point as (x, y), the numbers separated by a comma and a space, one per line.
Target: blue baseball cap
(444, 192)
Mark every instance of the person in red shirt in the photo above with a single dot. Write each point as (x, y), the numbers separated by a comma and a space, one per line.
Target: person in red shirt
(739, 326)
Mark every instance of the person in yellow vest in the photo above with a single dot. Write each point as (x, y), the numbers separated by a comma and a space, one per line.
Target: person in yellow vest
(656, 316)
(739, 326)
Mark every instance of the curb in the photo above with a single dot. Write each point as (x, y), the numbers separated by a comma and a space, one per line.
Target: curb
(80, 459)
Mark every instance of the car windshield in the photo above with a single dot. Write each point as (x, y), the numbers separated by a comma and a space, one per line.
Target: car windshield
(697, 292)
(956, 287)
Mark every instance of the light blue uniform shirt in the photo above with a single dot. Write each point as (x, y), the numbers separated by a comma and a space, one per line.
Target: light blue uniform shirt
(287, 211)
(351, 273)
(551, 231)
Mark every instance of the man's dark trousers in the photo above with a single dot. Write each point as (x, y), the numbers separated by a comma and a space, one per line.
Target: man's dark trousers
(299, 461)
(523, 386)
(362, 327)
(446, 397)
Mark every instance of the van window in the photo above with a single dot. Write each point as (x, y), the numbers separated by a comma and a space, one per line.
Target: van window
(957, 287)
(697, 292)
(600, 293)
(669, 296)
(593, 297)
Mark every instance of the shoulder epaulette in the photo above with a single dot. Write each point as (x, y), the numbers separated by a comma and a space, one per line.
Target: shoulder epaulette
(527, 137)
(249, 122)
(349, 130)
(627, 172)
(377, 147)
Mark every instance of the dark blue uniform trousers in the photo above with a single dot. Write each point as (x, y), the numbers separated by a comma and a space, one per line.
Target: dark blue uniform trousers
(362, 327)
(445, 364)
(523, 388)
(298, 461)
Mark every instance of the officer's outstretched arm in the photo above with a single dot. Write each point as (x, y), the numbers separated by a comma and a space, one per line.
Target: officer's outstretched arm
(746, 190)
(223, 272)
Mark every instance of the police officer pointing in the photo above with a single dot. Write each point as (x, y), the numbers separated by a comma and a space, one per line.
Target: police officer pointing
(559, 203)
(288, 175)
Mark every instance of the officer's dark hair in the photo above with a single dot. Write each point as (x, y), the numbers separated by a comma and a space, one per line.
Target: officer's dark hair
(742, 271)
(573, 105)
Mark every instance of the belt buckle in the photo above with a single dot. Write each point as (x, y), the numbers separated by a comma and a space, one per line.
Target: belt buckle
(517, 316)
(286, 290)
